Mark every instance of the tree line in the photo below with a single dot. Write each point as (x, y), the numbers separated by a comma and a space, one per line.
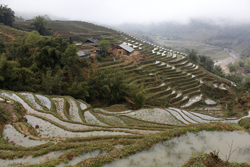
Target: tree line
(7, 17)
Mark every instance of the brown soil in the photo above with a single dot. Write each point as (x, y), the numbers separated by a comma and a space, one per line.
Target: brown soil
(241, 131)
(9, 36)
(116, 108)
(10, 108)
(241, 70)
(135, 56)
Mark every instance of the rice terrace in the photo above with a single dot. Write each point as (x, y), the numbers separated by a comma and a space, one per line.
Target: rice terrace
(83, 94)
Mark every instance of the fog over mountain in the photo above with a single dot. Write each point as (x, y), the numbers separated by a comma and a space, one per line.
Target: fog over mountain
(115, 12)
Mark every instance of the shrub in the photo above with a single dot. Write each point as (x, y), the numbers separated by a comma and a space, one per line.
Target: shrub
(100, 58)
(245, 122)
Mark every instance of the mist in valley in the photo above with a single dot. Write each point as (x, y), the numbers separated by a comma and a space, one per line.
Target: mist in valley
(113, 12)
(225, 24)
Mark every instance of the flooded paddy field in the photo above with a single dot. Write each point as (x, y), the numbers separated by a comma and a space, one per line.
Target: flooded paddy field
(177, 151)
(30, 160)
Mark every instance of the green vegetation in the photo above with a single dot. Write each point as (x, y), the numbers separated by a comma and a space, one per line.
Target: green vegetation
(40, 23)
(202, 60)
(103, 45)
(50, 65)
(245, 53)
(241, 69)
(214, 52)
(208, 64)
(7, 15)
(132, 145)
(245, 122)
(211, 159)
(32, 38)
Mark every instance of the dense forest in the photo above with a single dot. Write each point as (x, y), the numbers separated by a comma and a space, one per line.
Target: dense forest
(50, 65)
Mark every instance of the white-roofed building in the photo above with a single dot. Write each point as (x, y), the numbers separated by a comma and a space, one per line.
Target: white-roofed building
(122, 49)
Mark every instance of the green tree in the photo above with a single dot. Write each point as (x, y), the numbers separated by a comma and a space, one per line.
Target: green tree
(49, 52)
(218, 71)
(139, 99)
(19, 51)
(52, 84)
(25, 80)
(247, 69)
(192, 54)
(70, 56)
(107, 85)
(79, 90)
(40, 23)
(241, 64)
(232, 68)
(2, 45)
(246, 86)
(13, 77)
(7, 15)
(7, 72)
(103, 45)
(32, 38)
(138, 96)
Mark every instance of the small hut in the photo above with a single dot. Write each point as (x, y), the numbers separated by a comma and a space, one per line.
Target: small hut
(122, 49)
(91, 42)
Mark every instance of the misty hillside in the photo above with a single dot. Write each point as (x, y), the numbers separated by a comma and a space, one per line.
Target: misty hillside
(159, 72)
(232, 36)
(76, 93)
(95, 111)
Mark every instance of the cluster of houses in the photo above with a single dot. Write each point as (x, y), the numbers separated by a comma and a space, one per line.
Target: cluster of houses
(122, 49)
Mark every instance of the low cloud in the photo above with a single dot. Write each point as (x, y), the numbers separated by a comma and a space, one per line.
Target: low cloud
(137, 11)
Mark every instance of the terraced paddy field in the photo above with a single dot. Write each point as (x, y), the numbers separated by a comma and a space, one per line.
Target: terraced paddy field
(215, 52)
(169, 78)
(182, 100)
(49, 134)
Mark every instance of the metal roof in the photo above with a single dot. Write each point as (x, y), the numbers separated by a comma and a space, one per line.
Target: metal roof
(126, 47)
(96, 41)
(83, 53)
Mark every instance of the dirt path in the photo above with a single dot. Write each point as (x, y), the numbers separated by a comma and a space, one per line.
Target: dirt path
(235, 56)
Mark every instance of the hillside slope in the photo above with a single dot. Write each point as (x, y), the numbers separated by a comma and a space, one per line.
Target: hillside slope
(168, 77)
(181, 96)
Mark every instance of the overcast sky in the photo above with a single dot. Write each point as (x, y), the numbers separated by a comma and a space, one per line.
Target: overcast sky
(135, 11)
